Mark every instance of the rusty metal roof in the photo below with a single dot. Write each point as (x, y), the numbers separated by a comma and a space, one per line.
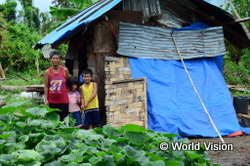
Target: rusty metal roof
(202, 11)
(187, 10)
(153, 42)
(78, 21)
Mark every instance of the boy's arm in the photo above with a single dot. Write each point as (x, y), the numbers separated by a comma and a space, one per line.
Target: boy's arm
(46, 86)
(82, 97)
(93, 94)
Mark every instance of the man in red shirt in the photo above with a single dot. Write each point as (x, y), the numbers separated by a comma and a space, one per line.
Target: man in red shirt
(55, 89)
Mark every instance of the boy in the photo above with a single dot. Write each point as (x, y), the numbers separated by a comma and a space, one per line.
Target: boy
(90, 103)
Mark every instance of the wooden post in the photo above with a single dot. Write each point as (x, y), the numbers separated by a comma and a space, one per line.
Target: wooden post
(2, 72)
(100, 65)
(238, 17)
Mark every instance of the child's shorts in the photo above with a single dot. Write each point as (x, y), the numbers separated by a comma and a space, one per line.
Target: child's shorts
(91, 117)
(77, 117)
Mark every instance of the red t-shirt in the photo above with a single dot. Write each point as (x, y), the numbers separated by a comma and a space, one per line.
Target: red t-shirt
(58, 91)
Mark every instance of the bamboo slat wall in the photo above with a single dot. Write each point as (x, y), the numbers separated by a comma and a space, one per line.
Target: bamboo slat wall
(125, 97)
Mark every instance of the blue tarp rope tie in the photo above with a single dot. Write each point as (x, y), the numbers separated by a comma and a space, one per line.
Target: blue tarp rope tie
(198, 95)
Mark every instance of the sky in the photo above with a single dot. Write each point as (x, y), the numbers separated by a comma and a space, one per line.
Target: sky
(43, 5)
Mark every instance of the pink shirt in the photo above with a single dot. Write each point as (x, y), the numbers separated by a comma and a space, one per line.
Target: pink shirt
(74, 97)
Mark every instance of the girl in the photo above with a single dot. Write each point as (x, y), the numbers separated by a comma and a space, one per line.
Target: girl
(74, 100)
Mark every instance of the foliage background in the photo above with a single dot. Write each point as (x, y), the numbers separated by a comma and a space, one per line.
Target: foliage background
(20, 31)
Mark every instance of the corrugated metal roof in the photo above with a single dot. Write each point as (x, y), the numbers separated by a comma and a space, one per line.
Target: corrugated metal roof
(156, 43)
(78, 21)
(183, 10)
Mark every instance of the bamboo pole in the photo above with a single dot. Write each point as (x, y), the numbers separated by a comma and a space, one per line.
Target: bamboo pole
(238, 17)
(2, 72)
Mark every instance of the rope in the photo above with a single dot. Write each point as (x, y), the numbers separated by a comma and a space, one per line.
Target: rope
(198, 95)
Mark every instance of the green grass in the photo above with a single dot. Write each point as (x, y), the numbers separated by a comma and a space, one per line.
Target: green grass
(22, 79)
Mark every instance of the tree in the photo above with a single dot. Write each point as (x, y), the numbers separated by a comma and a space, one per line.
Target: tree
(9, 10)
(30, 14)
(64, 9)
(237, 68)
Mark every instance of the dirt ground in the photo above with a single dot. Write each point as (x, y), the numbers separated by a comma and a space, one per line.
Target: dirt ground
(239, 155)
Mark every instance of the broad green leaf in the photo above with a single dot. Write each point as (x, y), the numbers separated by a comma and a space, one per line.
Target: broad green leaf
(2, 142)
(72, 157)
(36, 135)
(192, 155)
(85, 164)
(15, 105)
(131, 152)
(6, 118)
(69, 130)
(184, 140)
(23, 138)
(132, 128)
(174, 163)
(115, 149)
(7, 110)
(162, 139)
(34, 163)
(54, 163)
(15, 146)
(51, 149)
(12, 137)
(52, 116)
(121, 139)
(169, 135)
(36, 122)
(54, 141)
(107, 160)
(154, 163)
(37, 111)
(5, 158)
(118, 156)
(95, 160)
(83, 133)
(154, 157)
(5, 136)
(108, 142)
(47, 124)
(178, 154)
(95, 137)
(110, 131)
(28, 155)
(21, 124)
(136, 138)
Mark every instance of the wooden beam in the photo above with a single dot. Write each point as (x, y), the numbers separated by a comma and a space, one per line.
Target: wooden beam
(2, 72)
(238, 17)
(243, 19)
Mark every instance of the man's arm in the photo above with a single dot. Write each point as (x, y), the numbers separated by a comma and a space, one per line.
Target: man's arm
(66, 71)
(46, 87)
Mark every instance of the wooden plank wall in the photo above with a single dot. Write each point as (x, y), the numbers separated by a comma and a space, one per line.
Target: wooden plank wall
(125, 97)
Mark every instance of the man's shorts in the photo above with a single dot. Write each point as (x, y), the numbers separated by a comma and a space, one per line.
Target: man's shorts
(91, 117)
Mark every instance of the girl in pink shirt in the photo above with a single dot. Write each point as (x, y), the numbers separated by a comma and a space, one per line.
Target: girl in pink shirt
(74, 101)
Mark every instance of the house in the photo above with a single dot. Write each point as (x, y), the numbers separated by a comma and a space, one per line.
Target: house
(97, 39)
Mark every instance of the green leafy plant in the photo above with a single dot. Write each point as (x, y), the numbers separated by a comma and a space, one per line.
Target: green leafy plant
(35, 136)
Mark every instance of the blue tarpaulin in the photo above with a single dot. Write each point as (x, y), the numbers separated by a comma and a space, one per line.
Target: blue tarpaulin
(173, 106)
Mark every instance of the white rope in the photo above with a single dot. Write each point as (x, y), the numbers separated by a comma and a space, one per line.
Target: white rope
(198, 95)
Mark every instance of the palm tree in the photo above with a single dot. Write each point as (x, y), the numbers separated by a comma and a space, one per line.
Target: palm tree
(67, 8)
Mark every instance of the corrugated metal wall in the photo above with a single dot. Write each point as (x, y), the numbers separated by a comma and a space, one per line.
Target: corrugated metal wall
(156, 43)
